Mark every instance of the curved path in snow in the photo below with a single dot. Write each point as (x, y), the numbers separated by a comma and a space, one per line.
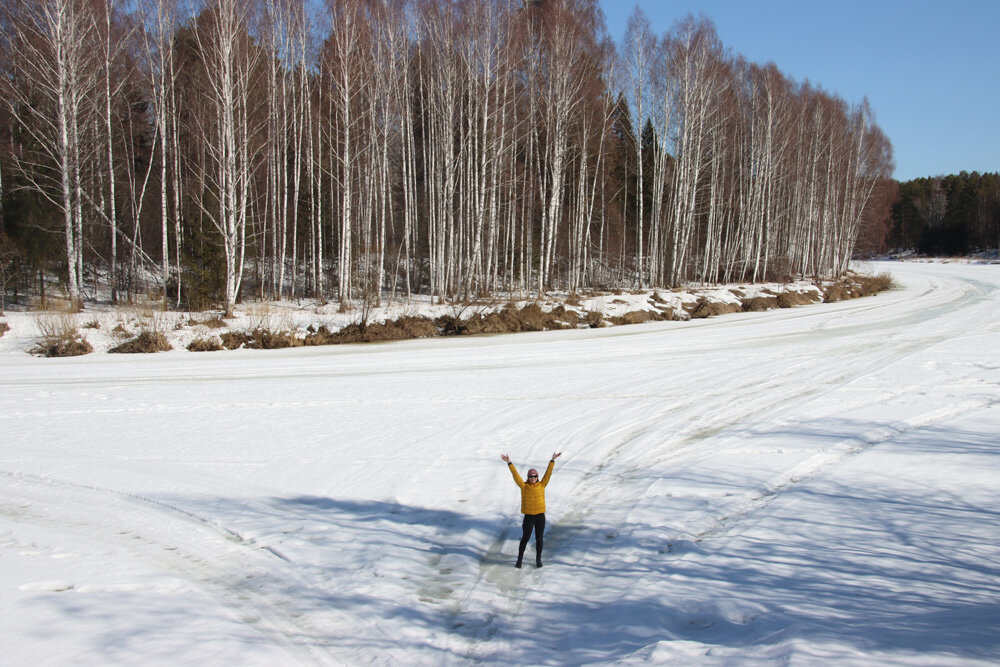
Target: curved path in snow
(796, 485)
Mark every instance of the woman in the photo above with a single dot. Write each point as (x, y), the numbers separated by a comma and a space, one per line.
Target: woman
(532, 506)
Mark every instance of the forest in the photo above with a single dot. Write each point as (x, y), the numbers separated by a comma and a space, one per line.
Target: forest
(947, 215)
(355, 150)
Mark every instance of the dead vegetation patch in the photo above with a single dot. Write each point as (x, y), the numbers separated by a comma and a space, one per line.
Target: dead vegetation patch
(792, 299)
(260, 339)
(212, 344)
(510, 319)
(4, 328)
(593, 319)
(706, 308)
(403, 328)
(757, 304)
(58, 335)
(871, 285)
(637, 317)
(147, 342)
(214, 322)
(70, 347)
(854, 285)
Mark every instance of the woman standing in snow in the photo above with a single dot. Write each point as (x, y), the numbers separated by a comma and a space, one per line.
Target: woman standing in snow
(532, 506)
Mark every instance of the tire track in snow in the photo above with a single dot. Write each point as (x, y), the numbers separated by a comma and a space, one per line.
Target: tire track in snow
(614, 499)
(259, 600)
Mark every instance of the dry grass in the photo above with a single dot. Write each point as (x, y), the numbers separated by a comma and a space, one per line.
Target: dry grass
(792, 299)
(638, 317)
(593, 319)
(147, 342)
(260, 339)
(871, 285)
(212, 344)
(705, 308)
(59, 336)
(213, 322)
(141, 328)
(511, 319)
(854, 285)
(759, 303)
(4, 328)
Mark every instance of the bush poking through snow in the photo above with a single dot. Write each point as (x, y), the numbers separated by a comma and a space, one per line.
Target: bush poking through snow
(146, 342)
(705, 308)
(855, 285)
(757, 304)
(260, 339)
(213, 322)
(212, 344)
(792, 299)
(593, 319)
(58, 336)
(4, 328)
(643, 316)
(870, 285)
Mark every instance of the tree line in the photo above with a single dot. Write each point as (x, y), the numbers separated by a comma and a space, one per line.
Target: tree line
(357, 148)
(947, 215)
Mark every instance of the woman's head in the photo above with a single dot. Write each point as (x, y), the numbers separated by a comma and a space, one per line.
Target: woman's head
(532, 476)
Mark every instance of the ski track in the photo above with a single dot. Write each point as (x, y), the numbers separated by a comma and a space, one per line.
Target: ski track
(632, 431)
(203, 558)
(602, 504)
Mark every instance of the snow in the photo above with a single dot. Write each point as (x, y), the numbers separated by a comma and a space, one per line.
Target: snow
(815, 484)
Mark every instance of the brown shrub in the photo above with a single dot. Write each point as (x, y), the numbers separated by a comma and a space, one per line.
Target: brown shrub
(511, 319)
(4, 328)
(260, 339)
(637, 317)
(404, 328)
(593, 319)
(146, 342)
(792, 299)
(212, 344)
(706, 308)
(502, 321)
(836, 292)
(321, 336)
(401, 329)
(93, 324)
(533, 318)
(759, 303)
(68, 347)
(871, 285)
(59, 336)
(215, 322)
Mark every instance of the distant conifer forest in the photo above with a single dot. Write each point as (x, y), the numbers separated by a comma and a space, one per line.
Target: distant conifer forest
(947, 215)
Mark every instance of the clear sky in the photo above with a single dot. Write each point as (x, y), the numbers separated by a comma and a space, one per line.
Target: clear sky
(931, 70)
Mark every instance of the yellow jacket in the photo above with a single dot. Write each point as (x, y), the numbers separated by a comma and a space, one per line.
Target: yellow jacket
(532, 495)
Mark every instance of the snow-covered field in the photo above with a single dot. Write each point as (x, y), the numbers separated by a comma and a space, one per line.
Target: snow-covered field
(818, 484)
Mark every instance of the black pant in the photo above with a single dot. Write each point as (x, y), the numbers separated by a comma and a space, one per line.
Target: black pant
(531, 522)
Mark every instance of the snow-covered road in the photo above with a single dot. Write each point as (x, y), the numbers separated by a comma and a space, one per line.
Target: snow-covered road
(793, 486)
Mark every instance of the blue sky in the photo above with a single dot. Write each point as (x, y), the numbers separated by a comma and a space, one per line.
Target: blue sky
(931, 70)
